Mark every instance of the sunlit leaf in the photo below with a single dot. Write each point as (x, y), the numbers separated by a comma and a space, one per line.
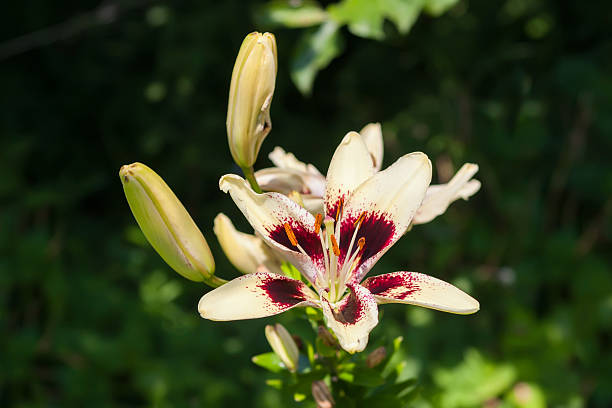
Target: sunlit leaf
(281, 13)
(314, 52)
(269, 361)
(437, 7)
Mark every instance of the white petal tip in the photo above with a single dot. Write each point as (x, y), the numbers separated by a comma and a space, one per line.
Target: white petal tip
(468, 306)
(471, 167)
(349, 137)
(225, 182)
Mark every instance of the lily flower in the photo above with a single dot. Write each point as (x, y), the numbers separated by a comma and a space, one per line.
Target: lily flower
(365, 213)
(290, 174)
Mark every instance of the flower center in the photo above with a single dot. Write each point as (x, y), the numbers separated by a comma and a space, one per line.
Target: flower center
(338, 266)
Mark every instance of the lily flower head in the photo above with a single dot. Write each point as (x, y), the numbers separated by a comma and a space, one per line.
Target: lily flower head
(365, 213)
(290, 175)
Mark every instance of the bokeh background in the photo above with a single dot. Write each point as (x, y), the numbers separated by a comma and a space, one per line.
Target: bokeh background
(91, 316)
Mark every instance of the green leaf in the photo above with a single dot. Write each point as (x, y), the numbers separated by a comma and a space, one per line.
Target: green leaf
(291, 271)
(316, 49)
(280, 13)
(473, 381)
(403, 13)
(437, 7)
(269, 361)
(365, 18)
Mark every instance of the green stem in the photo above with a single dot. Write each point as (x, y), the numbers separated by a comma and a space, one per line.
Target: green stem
(250, 176)
(214, 281)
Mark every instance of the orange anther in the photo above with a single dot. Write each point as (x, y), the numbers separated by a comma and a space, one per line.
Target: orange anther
(339, 210)
(290, 234)
(318, 220)
(335, 245)
(361, 243)
(360, 219)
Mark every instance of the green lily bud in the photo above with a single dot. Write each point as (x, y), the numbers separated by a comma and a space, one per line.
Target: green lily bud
(283, 345)
(167, 225)
(251, 91)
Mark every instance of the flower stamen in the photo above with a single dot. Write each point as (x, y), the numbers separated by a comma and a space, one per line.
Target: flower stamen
(290, 234)
(360, 219)
(339, 210)
(335, 247)
(361, 243)
(318, 220)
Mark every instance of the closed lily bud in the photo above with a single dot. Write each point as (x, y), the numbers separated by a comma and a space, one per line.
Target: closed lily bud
(283, 345)
(376, 357)
(322, 395)
(167, 225)
(251, 91)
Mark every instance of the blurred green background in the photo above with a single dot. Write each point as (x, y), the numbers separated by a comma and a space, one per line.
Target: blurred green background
(91, 316)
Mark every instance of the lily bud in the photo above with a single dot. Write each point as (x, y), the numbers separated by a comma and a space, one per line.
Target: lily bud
(322, 395)
(251, 91)
(283, 345)
(167, 225)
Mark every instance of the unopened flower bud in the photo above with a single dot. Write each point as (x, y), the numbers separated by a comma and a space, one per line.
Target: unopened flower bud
(167, 225)
(251, 91)
(327, 338)
(376, 357)
(283, 345)
(322, 395)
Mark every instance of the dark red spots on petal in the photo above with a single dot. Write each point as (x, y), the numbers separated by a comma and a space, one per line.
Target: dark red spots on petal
(332, 209)
(397, 286)
(351, 309)
(283, 292)
(376, 229)
(308, 240)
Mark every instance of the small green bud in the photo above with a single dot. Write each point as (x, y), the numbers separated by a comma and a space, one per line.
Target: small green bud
(251, 91)
(283, 345)
(167, 225)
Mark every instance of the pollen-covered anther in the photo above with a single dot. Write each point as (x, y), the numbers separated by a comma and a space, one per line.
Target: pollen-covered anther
(335, 247)
(360, 219)
(339, 210)
(290, 234)
(361, 243)
(318, 221)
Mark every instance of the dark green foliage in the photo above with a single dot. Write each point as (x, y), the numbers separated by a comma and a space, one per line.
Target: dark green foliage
(91, 316)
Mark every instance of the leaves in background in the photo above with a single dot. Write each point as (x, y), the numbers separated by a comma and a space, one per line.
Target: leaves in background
(316, 49)
(291, 14)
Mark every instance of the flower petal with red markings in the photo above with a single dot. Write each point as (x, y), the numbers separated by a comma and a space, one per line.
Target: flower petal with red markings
(389, 199)
(352, 318)
(350, 166)
(420, 290)
(255, 295)
(268, 213)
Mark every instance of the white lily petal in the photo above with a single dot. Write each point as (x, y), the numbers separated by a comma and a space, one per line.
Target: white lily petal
(388, 200)
(422, 290)
(352, 318)
(255, 295)
(287, 180)
(280, 180)
(350, 166)
(440, 196)
(248, 253)
(268, 213)
(372, 136)
(314, 204)
(285, 160)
